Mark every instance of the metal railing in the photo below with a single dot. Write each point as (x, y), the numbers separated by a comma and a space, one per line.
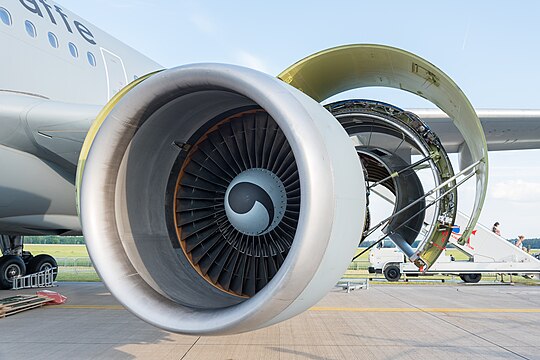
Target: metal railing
(359, 265)
(71, 265)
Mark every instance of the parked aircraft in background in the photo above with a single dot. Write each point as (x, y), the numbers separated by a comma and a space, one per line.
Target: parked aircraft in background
(214, 198)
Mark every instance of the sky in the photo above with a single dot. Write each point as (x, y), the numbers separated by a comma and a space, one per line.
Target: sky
(489, 48)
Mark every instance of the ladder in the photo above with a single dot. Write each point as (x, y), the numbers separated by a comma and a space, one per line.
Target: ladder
(40, 279)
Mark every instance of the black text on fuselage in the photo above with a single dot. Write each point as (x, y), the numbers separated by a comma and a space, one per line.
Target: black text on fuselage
(54, 11)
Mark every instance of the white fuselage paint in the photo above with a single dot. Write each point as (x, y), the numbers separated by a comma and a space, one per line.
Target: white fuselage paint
(34, 66)
(41, 194)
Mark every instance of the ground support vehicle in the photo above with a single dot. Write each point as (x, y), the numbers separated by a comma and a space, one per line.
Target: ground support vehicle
(486, 252)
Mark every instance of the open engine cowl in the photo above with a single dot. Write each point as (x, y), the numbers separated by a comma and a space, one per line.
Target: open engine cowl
(216, 199)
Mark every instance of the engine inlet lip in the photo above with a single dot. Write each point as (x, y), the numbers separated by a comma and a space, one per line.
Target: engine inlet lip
(284, 104)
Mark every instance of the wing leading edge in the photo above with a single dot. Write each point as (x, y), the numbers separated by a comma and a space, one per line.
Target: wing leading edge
(504, 129)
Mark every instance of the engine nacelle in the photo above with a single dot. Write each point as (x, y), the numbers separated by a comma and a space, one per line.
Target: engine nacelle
(216, 199)
(332, 71)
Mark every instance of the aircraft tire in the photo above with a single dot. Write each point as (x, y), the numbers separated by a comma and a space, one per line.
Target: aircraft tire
(40, 263)
(10, 266)
(471, 278)
(392, 273)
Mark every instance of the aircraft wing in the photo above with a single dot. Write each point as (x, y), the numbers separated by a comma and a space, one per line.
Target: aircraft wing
(504, 129)
(55, 131)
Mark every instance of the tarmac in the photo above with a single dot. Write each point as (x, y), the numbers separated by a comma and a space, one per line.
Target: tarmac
(457, 321)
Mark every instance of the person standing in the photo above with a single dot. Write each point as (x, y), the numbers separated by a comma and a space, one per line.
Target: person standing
(495, 228)
(519, 241)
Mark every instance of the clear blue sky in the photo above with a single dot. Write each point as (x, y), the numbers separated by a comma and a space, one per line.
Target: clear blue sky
(490, 48)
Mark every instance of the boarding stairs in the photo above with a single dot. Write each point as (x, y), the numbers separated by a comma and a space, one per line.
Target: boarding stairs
(489, 252)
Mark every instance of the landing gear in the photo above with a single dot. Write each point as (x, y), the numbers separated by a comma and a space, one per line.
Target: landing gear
(17, 262)
(41, 263)
(11, 266)
(471, 278)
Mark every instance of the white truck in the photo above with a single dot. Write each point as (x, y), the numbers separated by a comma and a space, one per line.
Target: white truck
(486, 251)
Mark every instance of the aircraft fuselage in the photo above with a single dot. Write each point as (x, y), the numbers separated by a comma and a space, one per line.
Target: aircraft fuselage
(59, 72)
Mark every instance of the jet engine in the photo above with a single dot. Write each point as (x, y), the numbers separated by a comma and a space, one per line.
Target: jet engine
(216, 199)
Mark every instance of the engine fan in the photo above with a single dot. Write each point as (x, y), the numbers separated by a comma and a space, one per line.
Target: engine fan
(217, 199)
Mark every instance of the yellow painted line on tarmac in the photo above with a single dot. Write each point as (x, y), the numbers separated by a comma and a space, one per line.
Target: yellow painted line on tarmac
(343, 309)
(433, 310)
(89, 307)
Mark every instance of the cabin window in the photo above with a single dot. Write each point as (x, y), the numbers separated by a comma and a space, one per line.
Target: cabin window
(91, 58)
(73, 50)
(30, 28)
(5, 16)
(53, 40)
